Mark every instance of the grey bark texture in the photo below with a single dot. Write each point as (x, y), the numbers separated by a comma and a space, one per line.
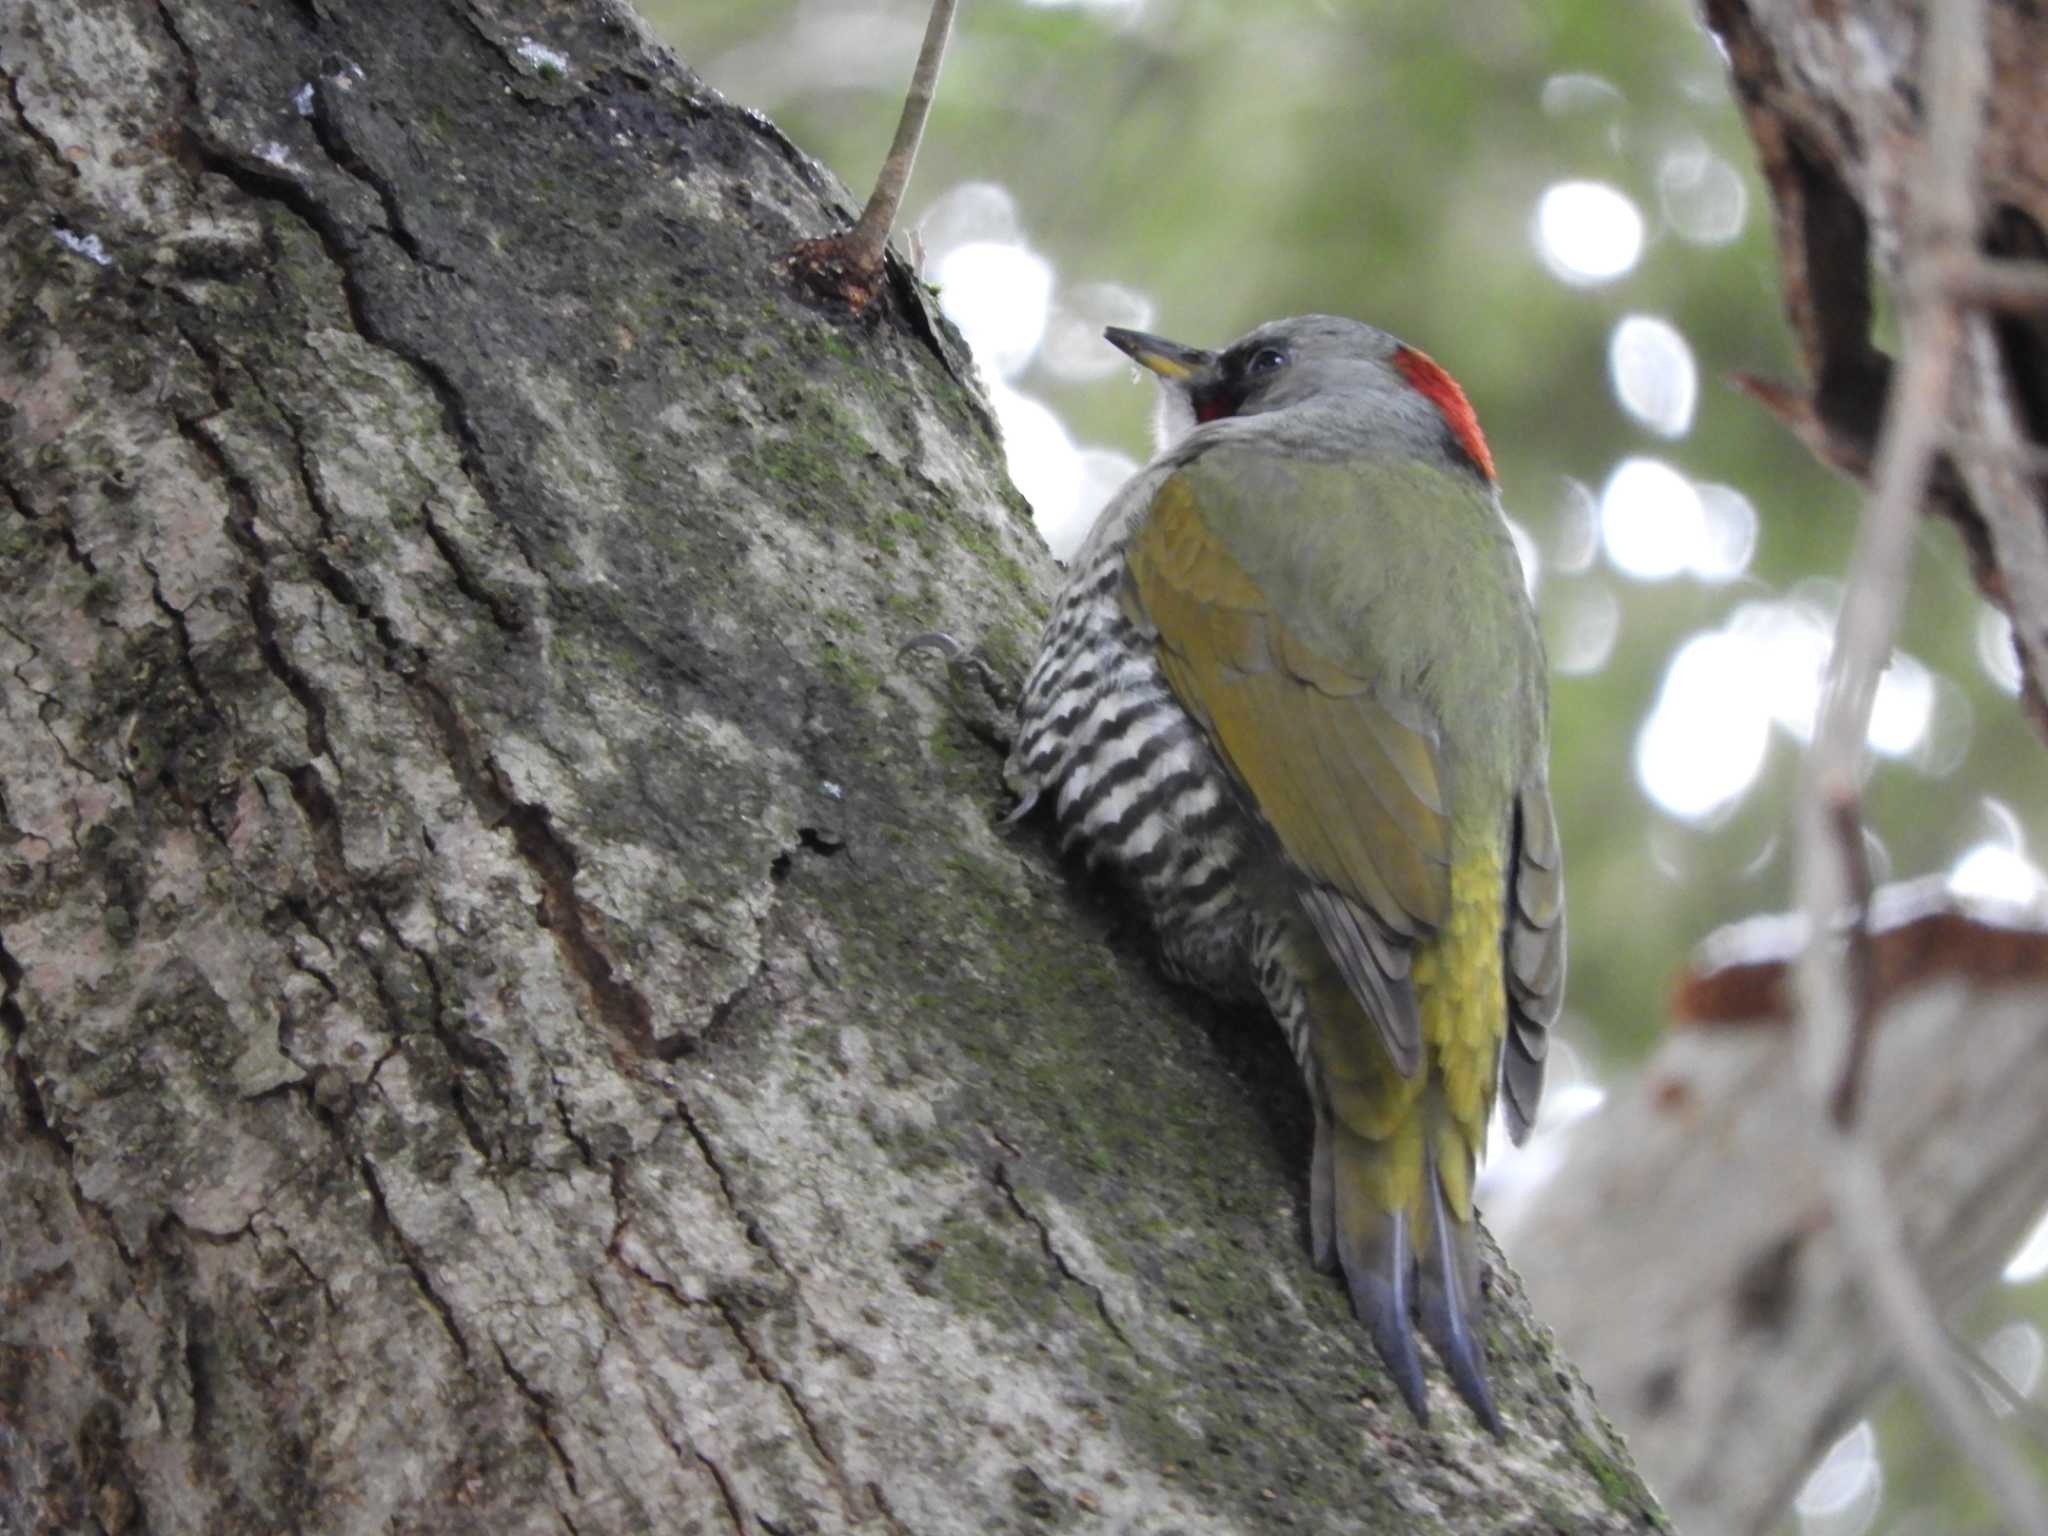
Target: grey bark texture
(516, 1016)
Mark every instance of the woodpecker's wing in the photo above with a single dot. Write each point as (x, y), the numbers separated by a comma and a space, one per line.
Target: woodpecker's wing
(1351, 792)
(1535, 954)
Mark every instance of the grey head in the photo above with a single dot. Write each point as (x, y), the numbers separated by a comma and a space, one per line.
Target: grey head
(1316, 384)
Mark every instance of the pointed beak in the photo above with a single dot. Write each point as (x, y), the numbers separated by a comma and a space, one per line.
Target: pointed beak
(1168, 359)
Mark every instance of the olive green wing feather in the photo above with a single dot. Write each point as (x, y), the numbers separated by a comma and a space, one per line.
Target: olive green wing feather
(1535, 954)
(1351, 792)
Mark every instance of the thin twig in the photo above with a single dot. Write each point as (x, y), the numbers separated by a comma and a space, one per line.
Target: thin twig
(1941, 221)
(1861, 964)
(848, 266)
(1989, 283)
(864, 245)
(2028, 458)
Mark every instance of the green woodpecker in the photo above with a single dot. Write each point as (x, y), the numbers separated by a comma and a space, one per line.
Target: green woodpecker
(1292, 691)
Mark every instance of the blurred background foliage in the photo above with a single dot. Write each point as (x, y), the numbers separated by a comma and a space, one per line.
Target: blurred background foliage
(1559, 203)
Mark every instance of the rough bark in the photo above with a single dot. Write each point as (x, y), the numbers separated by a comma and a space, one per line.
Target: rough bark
(1830, 92)
(1738, 1344)
(516, 1017)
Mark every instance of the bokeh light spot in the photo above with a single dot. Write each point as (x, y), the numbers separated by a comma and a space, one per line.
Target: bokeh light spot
(1995, 651)
(1587, 232)
(1702, 195)
(973, 210)
(1575, 540)
(1577, 91)
(1996, 872)
(1000, 295)
(1044, 464)
(1841, 1495)
(1582, 622)
(1074, 348)
(2030, 1263)
(1654, 376)
(2016, 1352)
(1727, 533)
(1903, 707)
(1704, 741)
(1650, 519)
(1794, 641)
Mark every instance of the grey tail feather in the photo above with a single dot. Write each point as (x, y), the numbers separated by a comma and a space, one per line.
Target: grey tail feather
(1322, 1199)
(1379, 1277)
(1450, 1305)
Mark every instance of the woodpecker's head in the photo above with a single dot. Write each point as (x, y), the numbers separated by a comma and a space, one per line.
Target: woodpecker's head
(1354, 386)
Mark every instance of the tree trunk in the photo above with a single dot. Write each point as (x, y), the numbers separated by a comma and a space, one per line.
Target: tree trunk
(517, 1017)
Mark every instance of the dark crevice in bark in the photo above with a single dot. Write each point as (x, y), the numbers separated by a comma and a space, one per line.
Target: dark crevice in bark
(188, 664)
(726, 1492)
(1850, 376)
(48, 704)
(15, 1024)
(549, 855)
(326, 1291)
(316, 804)
(1066, 1271)
(263, 616)
(35, 1113)
(756, 1234)
(542, 1414)
(552, 858)
(2022, 337)
(615, 1244)
(503, 613)
(574, 1137)
(198, 1376)
(461, 1053)
(767, 1368)
(680, 1446)
(332, 137)
(48, 145)
(61, 527)
(266, 183)
(382, 1221)
(725, 1008)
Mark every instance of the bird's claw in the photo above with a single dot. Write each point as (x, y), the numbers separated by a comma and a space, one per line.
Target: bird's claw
(931, 640)
(986, 703)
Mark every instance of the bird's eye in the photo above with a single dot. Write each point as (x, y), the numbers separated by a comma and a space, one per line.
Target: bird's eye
(1265, 360)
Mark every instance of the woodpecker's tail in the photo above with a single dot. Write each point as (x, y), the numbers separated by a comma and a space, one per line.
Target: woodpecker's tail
(1393, 1213)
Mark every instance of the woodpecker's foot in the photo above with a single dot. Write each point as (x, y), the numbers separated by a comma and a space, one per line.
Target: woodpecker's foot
(982, 698)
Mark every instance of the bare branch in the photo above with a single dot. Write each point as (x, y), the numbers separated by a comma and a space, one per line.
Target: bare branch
(864, 244)
(1988, 283)
(1847, 820)
(1955, 84)
(848, 266)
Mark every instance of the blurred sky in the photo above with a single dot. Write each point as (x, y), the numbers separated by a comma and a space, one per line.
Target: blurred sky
(1559, 204)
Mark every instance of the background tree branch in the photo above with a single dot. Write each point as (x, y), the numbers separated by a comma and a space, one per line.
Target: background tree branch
(1687, 1251)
